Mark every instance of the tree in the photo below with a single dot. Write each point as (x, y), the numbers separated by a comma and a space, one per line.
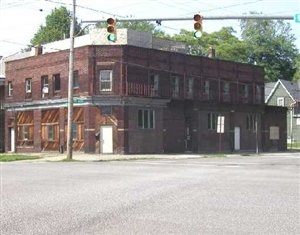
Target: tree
(297, 73)
(226, 45)
(57, 27)
(271, 44)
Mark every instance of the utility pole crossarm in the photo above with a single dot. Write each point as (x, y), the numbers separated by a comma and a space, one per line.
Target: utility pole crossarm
(262, 17)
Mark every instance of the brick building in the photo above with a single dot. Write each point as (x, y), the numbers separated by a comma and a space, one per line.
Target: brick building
(138, 99)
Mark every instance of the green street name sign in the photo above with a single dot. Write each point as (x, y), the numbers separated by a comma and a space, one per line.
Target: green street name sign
(297, 18)
(78, 100)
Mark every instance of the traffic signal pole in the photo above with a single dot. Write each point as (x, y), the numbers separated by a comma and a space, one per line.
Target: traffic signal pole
(229, 17)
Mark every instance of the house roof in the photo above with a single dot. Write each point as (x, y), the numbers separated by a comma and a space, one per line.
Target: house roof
(268, 89)
(292, 88)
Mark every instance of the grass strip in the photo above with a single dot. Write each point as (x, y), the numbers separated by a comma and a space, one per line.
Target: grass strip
(16, 157)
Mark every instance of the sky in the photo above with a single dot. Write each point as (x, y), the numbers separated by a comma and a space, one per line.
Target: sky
(21, 19)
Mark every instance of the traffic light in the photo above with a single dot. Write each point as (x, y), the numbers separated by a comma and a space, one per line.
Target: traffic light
(198, 25)
(111, 29)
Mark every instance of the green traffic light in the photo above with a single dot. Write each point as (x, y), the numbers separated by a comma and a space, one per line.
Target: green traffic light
(197, 34)
(112, 37)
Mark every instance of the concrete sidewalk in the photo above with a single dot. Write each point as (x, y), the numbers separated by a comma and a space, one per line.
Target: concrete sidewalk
(80, 156)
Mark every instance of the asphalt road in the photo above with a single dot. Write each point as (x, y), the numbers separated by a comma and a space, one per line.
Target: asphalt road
(236, 195)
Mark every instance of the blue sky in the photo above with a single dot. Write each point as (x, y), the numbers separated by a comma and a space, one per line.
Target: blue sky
(20, 19)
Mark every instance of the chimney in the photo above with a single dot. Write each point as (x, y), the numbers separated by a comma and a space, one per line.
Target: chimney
(38, 50)
(211, 53)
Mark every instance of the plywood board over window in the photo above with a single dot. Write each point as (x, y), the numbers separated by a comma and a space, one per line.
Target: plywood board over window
(274, 133)
(77, 128)
(25, 129)
(50, 129)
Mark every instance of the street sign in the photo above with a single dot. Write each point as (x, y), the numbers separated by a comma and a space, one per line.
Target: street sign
(78, 100)
(297, 18)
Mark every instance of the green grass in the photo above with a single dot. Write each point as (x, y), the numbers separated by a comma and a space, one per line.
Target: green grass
(294, 145)
(15, 157)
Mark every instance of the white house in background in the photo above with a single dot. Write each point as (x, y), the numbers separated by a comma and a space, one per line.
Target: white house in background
(286, 93)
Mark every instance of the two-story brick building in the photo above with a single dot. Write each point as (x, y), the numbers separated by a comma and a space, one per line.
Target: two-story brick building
(137, 99)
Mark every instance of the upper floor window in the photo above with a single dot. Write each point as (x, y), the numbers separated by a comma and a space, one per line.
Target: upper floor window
(28, 85)
(212, 121)
(56, 78)
(45, 85)
(206, 87)
(154, 82)
(258, 93)
(146, 119)
(9, 88)
(76, 79)
(280, 101)
(175, 86)
(105, 78)
(190, 86)
(245, 91)
(226, 87)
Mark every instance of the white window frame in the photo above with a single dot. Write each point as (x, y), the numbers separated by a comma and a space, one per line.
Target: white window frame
(25, 132)
(28, 82)
(45, 85)
(57, 82)
(251, 122)
(51, 132)
(245, 89)
(212, 119)
(74, 131)
(226, 88)
(280, 101)
(190, 87)
(258, 93)
(76, 79)
(206, 87)
(154, 81)
(146, 118)
(175, 86)
(105, 80)
(10, 88)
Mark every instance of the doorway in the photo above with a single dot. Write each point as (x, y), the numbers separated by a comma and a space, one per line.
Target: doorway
(12, 140)
(106, 139)
(237, 138)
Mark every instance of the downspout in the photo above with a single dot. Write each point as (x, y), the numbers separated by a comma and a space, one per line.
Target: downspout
(292, 105)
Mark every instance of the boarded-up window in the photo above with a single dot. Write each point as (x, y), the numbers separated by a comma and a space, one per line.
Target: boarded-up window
(274, 133)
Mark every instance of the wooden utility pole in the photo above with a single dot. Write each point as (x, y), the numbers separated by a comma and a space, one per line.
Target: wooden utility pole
(70, 86)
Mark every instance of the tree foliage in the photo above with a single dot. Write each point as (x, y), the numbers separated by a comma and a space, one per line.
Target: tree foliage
(57, 27)
(297, 73)
(271, 44)
(226, 45)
